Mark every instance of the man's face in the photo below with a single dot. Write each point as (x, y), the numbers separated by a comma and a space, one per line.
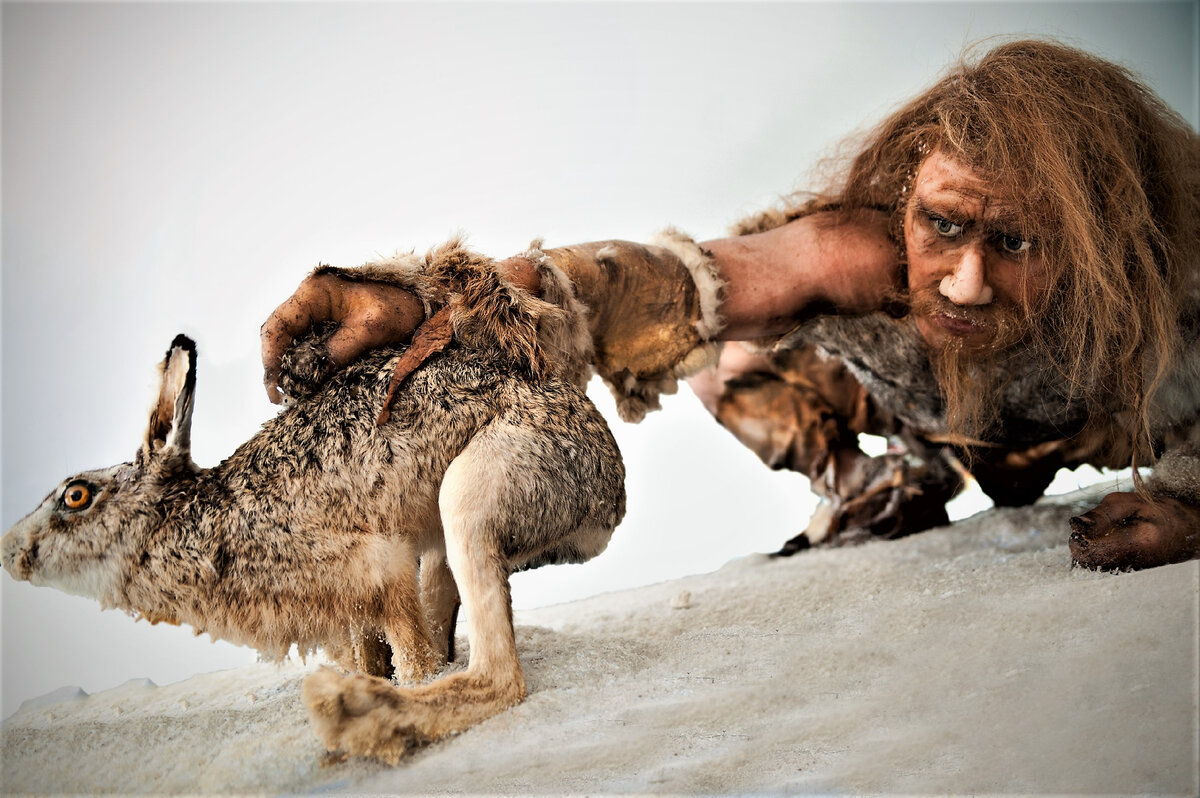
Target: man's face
(971, 271)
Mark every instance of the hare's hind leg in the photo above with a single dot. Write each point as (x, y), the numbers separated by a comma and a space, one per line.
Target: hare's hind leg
(367, 716)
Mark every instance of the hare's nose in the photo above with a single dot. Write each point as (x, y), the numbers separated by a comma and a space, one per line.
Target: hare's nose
(10, 550)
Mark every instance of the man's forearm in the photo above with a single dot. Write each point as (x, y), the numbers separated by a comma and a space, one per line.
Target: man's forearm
(650, 311)
(833, 261)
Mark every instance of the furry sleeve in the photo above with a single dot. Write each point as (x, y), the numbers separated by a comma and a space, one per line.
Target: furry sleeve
(543, 335)
(1177, 475)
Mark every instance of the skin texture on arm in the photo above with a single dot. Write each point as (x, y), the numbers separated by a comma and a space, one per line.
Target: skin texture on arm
(841, 261)
(834, 261)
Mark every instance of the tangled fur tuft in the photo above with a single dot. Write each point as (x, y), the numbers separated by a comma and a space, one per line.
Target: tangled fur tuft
(536, 336)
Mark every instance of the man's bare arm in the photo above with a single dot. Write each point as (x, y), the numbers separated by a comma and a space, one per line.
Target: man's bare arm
(835, 261)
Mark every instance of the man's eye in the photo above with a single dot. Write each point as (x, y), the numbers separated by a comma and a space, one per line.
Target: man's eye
(1013, 245)
(945, 227)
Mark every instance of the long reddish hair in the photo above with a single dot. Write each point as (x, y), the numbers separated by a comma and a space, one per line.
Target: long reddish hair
(1107, 180)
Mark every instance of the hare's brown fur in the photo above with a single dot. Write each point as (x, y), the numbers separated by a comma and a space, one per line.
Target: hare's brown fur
(324, 530)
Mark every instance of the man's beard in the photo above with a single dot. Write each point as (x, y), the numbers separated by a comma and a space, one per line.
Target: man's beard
(972, 371)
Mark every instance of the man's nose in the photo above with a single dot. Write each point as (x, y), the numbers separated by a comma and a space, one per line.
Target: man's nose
(967, 284)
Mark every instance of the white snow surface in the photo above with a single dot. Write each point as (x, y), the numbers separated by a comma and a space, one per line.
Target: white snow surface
(968, 659)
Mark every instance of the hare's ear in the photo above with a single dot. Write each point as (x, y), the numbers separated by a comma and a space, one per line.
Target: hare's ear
(171, 417)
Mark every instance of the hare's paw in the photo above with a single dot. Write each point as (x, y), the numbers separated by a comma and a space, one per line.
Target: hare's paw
(416, 664)
(359, 715)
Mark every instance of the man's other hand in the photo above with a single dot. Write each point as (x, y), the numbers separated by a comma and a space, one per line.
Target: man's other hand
(1127, 532)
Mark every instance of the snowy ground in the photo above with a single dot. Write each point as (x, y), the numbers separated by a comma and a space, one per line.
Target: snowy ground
(970, 659)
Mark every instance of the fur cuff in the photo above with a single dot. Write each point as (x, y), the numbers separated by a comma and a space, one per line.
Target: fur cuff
(638, 394)
(1177, 475)
(700, 265)
(563, 331)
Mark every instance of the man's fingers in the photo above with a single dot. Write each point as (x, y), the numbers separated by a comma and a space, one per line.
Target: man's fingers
(271, 383)
(309, 305)
(353, 337)
(367, 314)
(378, 315)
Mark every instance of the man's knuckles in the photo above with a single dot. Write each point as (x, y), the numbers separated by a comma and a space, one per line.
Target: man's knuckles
(1127, 532)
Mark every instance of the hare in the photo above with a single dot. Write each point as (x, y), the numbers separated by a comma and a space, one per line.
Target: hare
(326, 530)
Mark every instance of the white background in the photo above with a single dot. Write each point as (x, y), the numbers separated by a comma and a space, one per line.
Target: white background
(174, 168)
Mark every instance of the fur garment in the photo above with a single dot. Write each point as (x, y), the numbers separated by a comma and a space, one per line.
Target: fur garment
(652, 310)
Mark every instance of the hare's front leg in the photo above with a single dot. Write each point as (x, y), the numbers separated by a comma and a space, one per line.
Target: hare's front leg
(415, 656)
(369, 652)
(367, 716)
(439, 597)
(401, 646)
(391, 638)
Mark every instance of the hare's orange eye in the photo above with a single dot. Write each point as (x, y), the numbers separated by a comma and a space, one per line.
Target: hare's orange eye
(77, 496)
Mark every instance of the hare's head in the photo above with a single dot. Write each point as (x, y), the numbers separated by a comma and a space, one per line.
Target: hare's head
(88, 533)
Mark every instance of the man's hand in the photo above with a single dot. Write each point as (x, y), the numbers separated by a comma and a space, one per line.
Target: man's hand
(368, 315)
(1127, 532)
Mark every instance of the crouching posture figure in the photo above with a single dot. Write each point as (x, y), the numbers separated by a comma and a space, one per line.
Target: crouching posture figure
(330, 529)
(1005, 278)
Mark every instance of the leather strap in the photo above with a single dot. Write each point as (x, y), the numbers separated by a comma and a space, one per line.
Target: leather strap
(430, 337)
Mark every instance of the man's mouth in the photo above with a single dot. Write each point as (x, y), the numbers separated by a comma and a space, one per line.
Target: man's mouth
(942, 322)
(959, 325)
